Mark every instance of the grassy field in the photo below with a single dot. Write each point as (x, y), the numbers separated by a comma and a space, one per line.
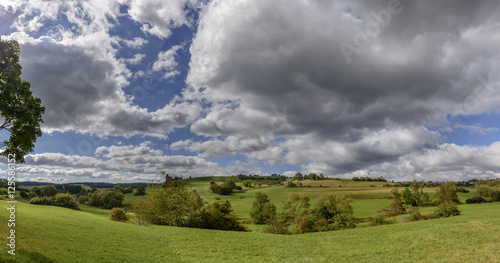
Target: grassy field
(54, 234)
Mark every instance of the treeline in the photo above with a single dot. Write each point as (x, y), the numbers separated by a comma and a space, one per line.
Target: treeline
(272, 177)
(311, 176)
(369, 179)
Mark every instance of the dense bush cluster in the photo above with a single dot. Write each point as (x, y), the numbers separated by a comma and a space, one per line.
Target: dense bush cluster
(118, 214)
(107, 199)
(488, 189)
(262, 209)
(331, 212)
(182, 206)
(226, 188)
(369, 179)
(62, 200)
(446, 210)
(477, 199)
(379, 220)
(141, 190)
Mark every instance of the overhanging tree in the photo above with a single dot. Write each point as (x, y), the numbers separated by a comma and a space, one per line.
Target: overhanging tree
(20, 111)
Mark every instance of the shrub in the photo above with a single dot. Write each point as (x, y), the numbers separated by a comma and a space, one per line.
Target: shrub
(379, 220)
(446, 210)
(305, 226)
(44, 200)
(118, 214)
(277, 225)
(247, 183)
(49, 191)
(336, 210)
(216, 215)
(173, 206)
(475, 199)
(447, 193)
(83, 199)
(222, 189)
(488, 192)
(141, 190)
(66, 200)
(262, 209)
(24, 195)
(3, 191)
(415, 216)
(107, 199)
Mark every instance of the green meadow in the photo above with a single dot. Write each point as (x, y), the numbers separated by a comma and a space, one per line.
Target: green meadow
(55, 234)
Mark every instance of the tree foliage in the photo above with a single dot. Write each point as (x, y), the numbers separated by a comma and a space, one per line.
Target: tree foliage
(20, 110)
(182, 206)
(447, 193)
(262, 209)
(107, 199)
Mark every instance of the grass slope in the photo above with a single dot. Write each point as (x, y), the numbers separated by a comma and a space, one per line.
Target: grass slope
(54, 234)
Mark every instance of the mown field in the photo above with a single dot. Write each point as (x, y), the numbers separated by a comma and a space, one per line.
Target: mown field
(54, 234)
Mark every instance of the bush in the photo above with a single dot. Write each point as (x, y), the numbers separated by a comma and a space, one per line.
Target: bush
(44, 200)
(223, 189)
(379, 220)
(83, 199)
(49, 191)
(216, 215)
(475, 200)
(247, 183)
(173, 206)
(141, 190)
(24, 195)
(305, 226)
(415, 216)
(62, 200)
(488, 192)
(447, 193)
(107, 199)
(66, 200)
(277, 225)
(3, 191)
(336, 210)
(446, 210)
(262, 209)
(118, 214)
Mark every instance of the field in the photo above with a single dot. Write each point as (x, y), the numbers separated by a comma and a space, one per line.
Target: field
(54, 234)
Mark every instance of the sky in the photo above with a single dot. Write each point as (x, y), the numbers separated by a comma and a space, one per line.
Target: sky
(400, 89)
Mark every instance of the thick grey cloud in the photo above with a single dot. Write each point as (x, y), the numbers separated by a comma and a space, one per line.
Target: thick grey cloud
(409, 65)
(421, 65)
(80, 93)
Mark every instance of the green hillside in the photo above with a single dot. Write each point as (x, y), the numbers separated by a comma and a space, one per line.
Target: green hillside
(54, 234)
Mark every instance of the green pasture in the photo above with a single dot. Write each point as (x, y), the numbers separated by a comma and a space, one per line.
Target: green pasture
(54, 234)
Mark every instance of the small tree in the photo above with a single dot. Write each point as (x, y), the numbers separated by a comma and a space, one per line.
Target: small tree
(336, 210)
(247, 183)
(447, 193)
(262, 209)
(296, 208)
(118, 214)
(49, 191)
(298, 176)
(408, 198)
(141, 190)
(24, 195)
